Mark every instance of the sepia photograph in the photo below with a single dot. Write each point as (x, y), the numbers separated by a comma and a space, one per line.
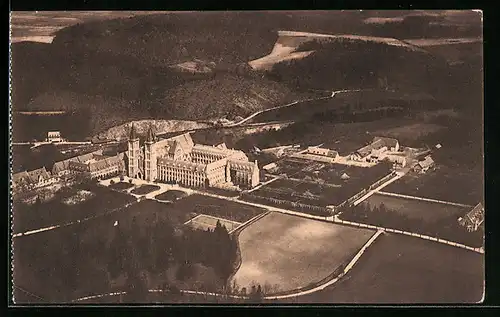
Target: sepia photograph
(247, 157)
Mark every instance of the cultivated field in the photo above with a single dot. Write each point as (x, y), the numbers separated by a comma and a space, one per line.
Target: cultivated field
(212, 206)
(293, 252)
(204, 222)
(416, 209)
(399, 269)
(320, 184)
(445, 183)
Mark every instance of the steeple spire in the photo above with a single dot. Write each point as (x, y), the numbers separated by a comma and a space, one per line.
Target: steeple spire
(151, 136)
(133, 133)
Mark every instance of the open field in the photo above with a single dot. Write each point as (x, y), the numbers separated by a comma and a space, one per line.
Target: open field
(171, 195)
(399, 269)
(294, 252)
(121, 186)
(413, 131)
(212, 206)
(342, 137)
(144, 189)
(204, 222)
(429, 212)
(56, 211)
(452, 184)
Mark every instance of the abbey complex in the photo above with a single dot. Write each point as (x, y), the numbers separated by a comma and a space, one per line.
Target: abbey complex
(179, 160)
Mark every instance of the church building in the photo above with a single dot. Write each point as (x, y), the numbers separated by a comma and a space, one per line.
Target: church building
(179, 160)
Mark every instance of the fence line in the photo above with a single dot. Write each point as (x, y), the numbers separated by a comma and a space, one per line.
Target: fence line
(421, 236)
(424, 199)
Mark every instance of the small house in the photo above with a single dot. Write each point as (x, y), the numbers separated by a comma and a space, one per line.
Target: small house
(345, 176)
(424, 165)
(270, 167)
(473, 219)
(54, 136)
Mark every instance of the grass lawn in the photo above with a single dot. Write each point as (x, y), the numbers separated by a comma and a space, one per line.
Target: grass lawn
(416, 209)
(220, 191)
(399, 269)
(121, 185)
(212, 206)
(445, 183)
(144, 189)
(293, 252)
(55, 211)
(171, 195)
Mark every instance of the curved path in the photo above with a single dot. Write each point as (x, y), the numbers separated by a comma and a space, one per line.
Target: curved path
(290, 104)
(271, 297)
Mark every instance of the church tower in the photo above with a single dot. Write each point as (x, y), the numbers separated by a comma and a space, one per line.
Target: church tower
(150, 157)
(133, 153)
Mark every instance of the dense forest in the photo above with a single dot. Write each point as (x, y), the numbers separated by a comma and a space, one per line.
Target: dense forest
(79, 261)
(354, 64)
(106, 68)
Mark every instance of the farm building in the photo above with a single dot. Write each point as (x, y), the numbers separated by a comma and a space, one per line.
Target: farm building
(269, 167)
(318, 154)
(473, 219)
(54, 136)
(398, 160)
(424, 165)
(374, 152)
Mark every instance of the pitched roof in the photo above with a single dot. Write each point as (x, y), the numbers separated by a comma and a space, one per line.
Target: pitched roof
(20, 177)
(104, 163)
(242, 165)
(64, 165)
(35, 174)
(364, 151)
(428, 161)
(183, 141)
(182, 165)
(389, 142)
